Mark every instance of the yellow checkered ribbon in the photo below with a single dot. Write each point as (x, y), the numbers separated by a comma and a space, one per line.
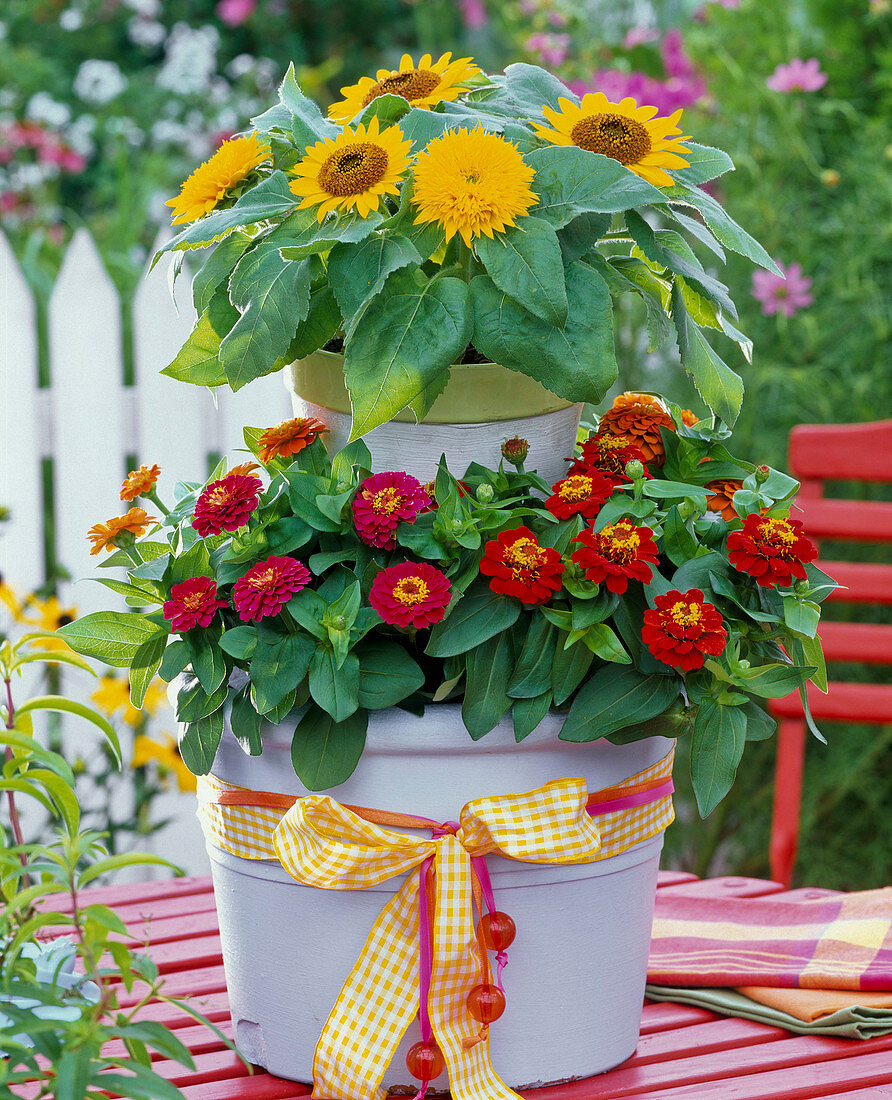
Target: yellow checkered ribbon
(322, 843)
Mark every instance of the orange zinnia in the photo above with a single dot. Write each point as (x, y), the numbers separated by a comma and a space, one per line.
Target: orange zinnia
(288, 438)
(722, 496)
(689, 418)
(639, 417)
(103, 535)
(139, 482)
(246, 469)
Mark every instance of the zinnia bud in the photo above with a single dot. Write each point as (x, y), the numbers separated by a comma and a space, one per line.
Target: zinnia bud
(830, 177)
(762, 474)
(802, 588)
(634, 469)
(485, 493)
(515, 450)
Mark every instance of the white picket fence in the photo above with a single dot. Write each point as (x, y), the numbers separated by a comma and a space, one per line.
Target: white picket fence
(87, 422)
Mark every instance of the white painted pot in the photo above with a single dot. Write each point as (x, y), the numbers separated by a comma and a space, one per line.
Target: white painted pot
(576, 973)
(481, 406)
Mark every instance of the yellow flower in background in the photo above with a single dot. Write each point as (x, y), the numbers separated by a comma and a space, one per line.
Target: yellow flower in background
(624, 131)
(431, 83)
(113, 694)
(472, 182)
(353, 170)
(164, 754)
(50, 616)
(11, 601)
(209, 183)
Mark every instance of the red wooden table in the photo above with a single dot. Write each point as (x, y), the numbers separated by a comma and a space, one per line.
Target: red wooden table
(683, 1052)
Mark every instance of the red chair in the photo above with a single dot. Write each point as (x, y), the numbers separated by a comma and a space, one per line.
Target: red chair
(819, 453)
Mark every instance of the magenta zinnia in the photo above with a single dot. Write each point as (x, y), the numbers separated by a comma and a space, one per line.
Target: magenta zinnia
(384, 501)
(267, 587)
(225, 505)
(410, 594)
(192, 603)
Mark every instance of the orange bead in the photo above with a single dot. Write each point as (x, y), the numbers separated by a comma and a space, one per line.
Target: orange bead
(486, 1003)
(498, 930)
(425, 1061)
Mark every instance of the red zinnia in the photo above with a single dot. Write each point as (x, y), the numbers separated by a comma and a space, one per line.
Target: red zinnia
(608, 455)
(192, 603)
(771, 550)
(383, 502)
(225, 505)
(288, 438)
(410, 594)
(520, 567)
(682, 628)
(579, 494)
(617, 553)
(267, 587)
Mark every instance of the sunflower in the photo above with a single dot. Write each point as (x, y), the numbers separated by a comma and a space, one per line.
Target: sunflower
(431, 83)
(624, 131)
(472, 183)
(208, 184)
(353, 170)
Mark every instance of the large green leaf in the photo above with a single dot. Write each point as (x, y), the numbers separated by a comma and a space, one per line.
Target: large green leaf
(576, 361)
(717, 744)
(246, 723)
(146, 662)
(526, 714)
(479, 614)
(279, 664)
(725, 228)
(335, 690)
(719, 386)
(321, 323)
(704, 164)
(403, 342)
(110, 636)
(526, 263)
(532, 672)
(571, 181)
(358, 271)
(63, 705)
(531, 88)
(217, 268)
(325, 752)
(304, 235)
(569, 669)
(199, 741)
(615, 697)
(773, 681)
(387, 674)
(488, 670)
(308, 125)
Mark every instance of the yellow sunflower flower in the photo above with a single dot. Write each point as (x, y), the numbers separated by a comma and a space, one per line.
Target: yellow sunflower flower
(209, 183)
(50, 616)
(431, 83)
(165, 756)
(624, 131)
(353, 170)
(472, 182)
(113, 694)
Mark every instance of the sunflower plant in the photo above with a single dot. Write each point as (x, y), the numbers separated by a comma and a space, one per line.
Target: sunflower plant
(438, 215)
(661, 586)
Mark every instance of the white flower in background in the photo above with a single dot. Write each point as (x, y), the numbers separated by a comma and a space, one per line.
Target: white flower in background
(148, 9)
(266, 73)
(79, 135)
(146, 32)
(8, 97)
(98, 81)
(43, 108)
(227, 119)
(219, 90)
(71, 19)
(190, 59)
(4, 30)
(168, 132)
(240, 66)
(25, 177)
(125, 128)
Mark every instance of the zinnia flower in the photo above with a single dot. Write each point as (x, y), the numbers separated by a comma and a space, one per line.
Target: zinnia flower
(607, 455)
(225, 505)
(616, 554)
(289, 438)
(164, 755)
(646, 145)
(515, 450)
(432, 82)
(721, 498)
(579, 494)
(689, 418)
(520, 567)
(682, 630)
(139, 482)
(472, 182)
(192, 603)
(210, 182)
(353, 170)
(267, 587)
(249, 469)
(383, 502)
(771, 550)
(104, 536)
(410, 594)
(786, 293)
(639, 417)
(798, 76)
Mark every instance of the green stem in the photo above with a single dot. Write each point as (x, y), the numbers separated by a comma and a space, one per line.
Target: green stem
(153, 497)
(10, 795)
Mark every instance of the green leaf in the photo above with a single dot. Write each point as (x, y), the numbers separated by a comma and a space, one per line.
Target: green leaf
(526, 714)
(246, 723)
(62, 795)
(157, 1036)
(576, 361)
(335, 690)
(303, 235)
(717, 744)
(61, 704)
(422, 127)
(322, 321)
(571, 181)
(479, 615)
(602, 641)
(110, 636)
(772, 681)
(719, 386)
(808, 651)
(581, 235)
(652, 290)
(615, 697)
(402, 343)
(279, 664)
(357, 272)
(199, 741)
(206, 658)
(386, 108)
(73, 1073)
(531, 88)
(303, 491)
(325, 752)
(801, 615)
(387, 674)
(525, 262)
(198, 360)
(175, 659)
(704, 163)
(308, 125)
(725, 228)
(532, 673)
(568, 670)
(488, 670)
(194, 703)
(239, 642)
(759, 723)
(146, 662)
(217, 268)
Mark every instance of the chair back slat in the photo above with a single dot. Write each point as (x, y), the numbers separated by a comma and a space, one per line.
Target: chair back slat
(842, 452)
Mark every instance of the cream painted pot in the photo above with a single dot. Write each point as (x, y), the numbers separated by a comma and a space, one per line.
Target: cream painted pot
(576, 973)
(481, 406)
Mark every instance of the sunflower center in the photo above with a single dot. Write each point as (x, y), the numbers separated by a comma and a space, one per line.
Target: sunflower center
(523, 554)
(576, 488)
(386, 502)
(353, 169)
(411, 591)
(778, 533)
(620, 543)
(624, 139)
(686, 614)
(410, 85)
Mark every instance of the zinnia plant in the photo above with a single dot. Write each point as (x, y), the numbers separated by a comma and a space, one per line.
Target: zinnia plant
(312, 592)
(440, 215)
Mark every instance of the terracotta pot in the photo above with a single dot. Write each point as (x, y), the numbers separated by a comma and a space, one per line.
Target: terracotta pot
(481, 406)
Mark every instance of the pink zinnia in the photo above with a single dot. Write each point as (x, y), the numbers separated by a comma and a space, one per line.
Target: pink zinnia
(267, 587)
(473, 13)
(383, 502)
(235, 12)
(786, 293)
(410, 594)
(192, 603)
(798, 76)
(225, 505)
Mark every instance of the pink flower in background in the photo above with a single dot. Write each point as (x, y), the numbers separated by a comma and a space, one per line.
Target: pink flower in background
(235, 12)
(637, 36)
(675, 61)
(556, 18)
(786, 294)
(551, 48)
(667, 95)
(798, 76)
(473, 13)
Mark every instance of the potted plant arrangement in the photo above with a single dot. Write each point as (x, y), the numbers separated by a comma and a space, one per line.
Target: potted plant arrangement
(417, 614)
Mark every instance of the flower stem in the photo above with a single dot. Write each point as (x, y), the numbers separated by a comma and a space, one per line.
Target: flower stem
(154, 498)
(10, 795)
